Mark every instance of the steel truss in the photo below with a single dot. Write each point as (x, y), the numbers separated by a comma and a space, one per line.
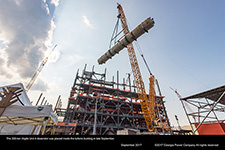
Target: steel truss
(205, 107)
(118, 106)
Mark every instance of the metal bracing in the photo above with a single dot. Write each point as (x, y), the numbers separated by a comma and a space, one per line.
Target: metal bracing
(102, 107)
(206, 107)
(214, 104)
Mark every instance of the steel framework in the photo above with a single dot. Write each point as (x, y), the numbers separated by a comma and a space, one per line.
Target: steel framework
(205, 107)
(101, 107)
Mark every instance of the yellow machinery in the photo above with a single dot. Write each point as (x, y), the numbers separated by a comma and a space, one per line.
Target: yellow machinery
(147, 103)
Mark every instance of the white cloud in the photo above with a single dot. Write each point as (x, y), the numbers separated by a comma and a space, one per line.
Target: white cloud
(40, 85)
(87, 22)
(54, 56)
(26, 32)
(55, 2)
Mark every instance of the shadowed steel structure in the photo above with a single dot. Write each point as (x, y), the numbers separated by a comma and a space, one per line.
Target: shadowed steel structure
(206, 110)
(102, 107)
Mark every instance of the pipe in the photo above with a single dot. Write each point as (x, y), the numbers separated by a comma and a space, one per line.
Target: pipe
(129, 38)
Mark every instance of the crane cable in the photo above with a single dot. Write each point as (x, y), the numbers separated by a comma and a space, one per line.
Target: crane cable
(142, 55)
(115, 35)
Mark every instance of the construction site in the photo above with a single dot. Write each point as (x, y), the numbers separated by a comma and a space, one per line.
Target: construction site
(120, 106)
(101, 107)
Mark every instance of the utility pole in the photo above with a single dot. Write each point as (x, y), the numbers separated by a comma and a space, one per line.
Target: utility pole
(178, 122)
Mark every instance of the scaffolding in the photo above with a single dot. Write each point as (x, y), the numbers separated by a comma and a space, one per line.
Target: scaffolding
(100, 107)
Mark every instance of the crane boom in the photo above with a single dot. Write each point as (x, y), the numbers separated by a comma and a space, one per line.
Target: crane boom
(146, 104)
(44, 61)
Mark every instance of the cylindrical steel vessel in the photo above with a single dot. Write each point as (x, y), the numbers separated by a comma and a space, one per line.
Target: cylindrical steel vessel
(129, 38)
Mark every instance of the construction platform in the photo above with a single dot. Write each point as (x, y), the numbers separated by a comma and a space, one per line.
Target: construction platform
(101, 107)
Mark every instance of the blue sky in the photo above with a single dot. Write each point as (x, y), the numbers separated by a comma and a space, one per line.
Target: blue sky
(185, 48)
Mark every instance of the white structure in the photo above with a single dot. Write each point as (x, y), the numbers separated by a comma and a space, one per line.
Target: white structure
(21, 117)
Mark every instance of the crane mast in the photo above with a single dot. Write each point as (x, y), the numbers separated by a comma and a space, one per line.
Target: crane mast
(147, 104)
(38, 70)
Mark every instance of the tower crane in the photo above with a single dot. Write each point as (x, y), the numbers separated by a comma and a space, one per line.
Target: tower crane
(44, 61)
(147, 103)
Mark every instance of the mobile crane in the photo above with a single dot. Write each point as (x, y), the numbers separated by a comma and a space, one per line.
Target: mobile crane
(147, 103)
